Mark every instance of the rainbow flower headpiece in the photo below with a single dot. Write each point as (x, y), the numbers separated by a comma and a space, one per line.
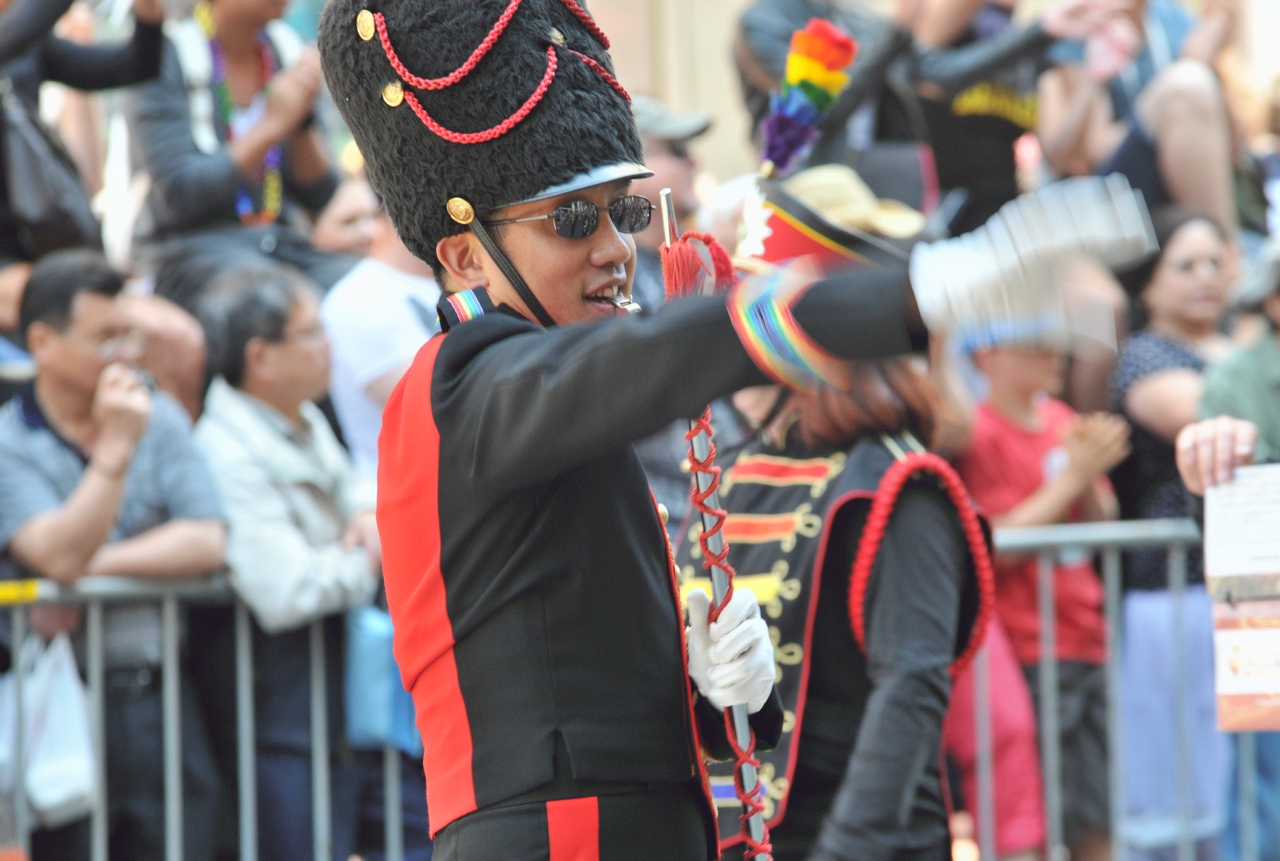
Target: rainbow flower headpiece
(813, 81)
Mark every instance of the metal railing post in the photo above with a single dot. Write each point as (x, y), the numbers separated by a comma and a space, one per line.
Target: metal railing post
(246, 739)
(985, 755)
(171, 697)
(1247, 766)
(1177, 560)
(320, 825)
(393, 821)
(1115, 761)
(97, 719)
(21, 813)
(1050, 737)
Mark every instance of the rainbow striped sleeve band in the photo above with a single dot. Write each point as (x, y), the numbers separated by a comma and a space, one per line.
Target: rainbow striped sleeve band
(760, 308)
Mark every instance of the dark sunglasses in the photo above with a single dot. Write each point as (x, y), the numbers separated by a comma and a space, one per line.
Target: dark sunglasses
(578, 219)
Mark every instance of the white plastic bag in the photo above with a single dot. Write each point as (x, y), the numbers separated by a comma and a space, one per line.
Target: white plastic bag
(60, 762)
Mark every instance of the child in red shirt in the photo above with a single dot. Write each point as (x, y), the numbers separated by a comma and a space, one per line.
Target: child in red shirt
(1033, 461)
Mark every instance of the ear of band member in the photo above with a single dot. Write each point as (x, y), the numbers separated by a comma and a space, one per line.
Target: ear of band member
(526, 295)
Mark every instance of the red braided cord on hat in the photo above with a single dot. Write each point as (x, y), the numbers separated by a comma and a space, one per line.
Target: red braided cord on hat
(602, 72)
(588, 22)
(503, 127)
(485, 46)
(878, 520)
(752, 804)
(457, 74)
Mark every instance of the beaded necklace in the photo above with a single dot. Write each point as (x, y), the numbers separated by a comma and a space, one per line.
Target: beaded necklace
(272, 183)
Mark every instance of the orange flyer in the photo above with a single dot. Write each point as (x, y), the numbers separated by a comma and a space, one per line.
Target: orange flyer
(1246, 640)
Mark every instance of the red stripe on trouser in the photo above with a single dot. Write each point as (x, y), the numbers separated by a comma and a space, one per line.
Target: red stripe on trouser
(573, 829)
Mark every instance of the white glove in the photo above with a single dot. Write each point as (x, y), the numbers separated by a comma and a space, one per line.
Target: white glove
(731, 661)
(999, 278)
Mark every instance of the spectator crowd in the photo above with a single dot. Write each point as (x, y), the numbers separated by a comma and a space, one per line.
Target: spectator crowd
(211, 398)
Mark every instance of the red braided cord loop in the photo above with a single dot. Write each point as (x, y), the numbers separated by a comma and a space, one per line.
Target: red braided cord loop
(752, 804)
(457, 74)
(717, 516)
(602, 72)
(878, 520)
(502, 128)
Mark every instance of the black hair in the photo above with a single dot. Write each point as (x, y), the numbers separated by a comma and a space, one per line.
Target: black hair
(243, 304)
(1166, 222)
(57, 278)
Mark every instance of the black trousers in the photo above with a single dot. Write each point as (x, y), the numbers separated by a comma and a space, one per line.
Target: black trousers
(356, 812)
(135, 779)
(135, 771)
(662, 824)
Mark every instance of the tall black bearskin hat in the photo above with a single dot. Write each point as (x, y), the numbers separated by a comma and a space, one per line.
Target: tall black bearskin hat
(462, 107)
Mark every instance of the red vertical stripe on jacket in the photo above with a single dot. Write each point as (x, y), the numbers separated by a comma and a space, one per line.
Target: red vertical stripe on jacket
(573, 829)
(409, 524)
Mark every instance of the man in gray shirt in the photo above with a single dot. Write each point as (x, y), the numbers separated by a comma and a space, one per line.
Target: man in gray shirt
(98, 476)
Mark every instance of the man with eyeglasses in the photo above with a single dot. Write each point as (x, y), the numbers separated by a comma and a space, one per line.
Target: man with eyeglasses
(302, 548)
(98, 476)
(536, 609)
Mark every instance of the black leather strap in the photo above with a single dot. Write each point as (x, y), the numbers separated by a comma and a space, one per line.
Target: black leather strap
(531, 301)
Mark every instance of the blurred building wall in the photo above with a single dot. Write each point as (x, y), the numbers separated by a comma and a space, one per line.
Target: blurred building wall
(1262, 44)
(680, 51)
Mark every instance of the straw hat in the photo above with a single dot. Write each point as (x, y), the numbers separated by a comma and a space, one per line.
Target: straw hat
(838, 194)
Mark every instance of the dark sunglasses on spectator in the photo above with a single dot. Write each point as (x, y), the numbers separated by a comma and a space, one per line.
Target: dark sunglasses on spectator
(578, 219)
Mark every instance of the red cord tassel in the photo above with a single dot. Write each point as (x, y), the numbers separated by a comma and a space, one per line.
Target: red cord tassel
(697, 264)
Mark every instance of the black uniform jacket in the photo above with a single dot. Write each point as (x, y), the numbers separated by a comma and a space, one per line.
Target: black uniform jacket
(535, 604)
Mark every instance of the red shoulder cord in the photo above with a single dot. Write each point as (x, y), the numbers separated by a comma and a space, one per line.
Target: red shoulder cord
(882, 507)
(751, 804)
(479, 54)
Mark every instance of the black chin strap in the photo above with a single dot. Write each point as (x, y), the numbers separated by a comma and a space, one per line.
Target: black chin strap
(780, 403)
(526, 295)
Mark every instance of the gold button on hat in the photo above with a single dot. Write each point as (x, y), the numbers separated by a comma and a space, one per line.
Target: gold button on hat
(365, 25)
(460, 210)
(393, 94)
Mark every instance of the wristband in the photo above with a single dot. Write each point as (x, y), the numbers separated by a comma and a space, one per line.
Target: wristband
(760, 310)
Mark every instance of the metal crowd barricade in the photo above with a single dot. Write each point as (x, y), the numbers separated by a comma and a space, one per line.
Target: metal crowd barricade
(1109, 539)
(95, 592)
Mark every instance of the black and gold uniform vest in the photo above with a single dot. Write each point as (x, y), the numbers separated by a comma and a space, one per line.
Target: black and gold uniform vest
(781, 503)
